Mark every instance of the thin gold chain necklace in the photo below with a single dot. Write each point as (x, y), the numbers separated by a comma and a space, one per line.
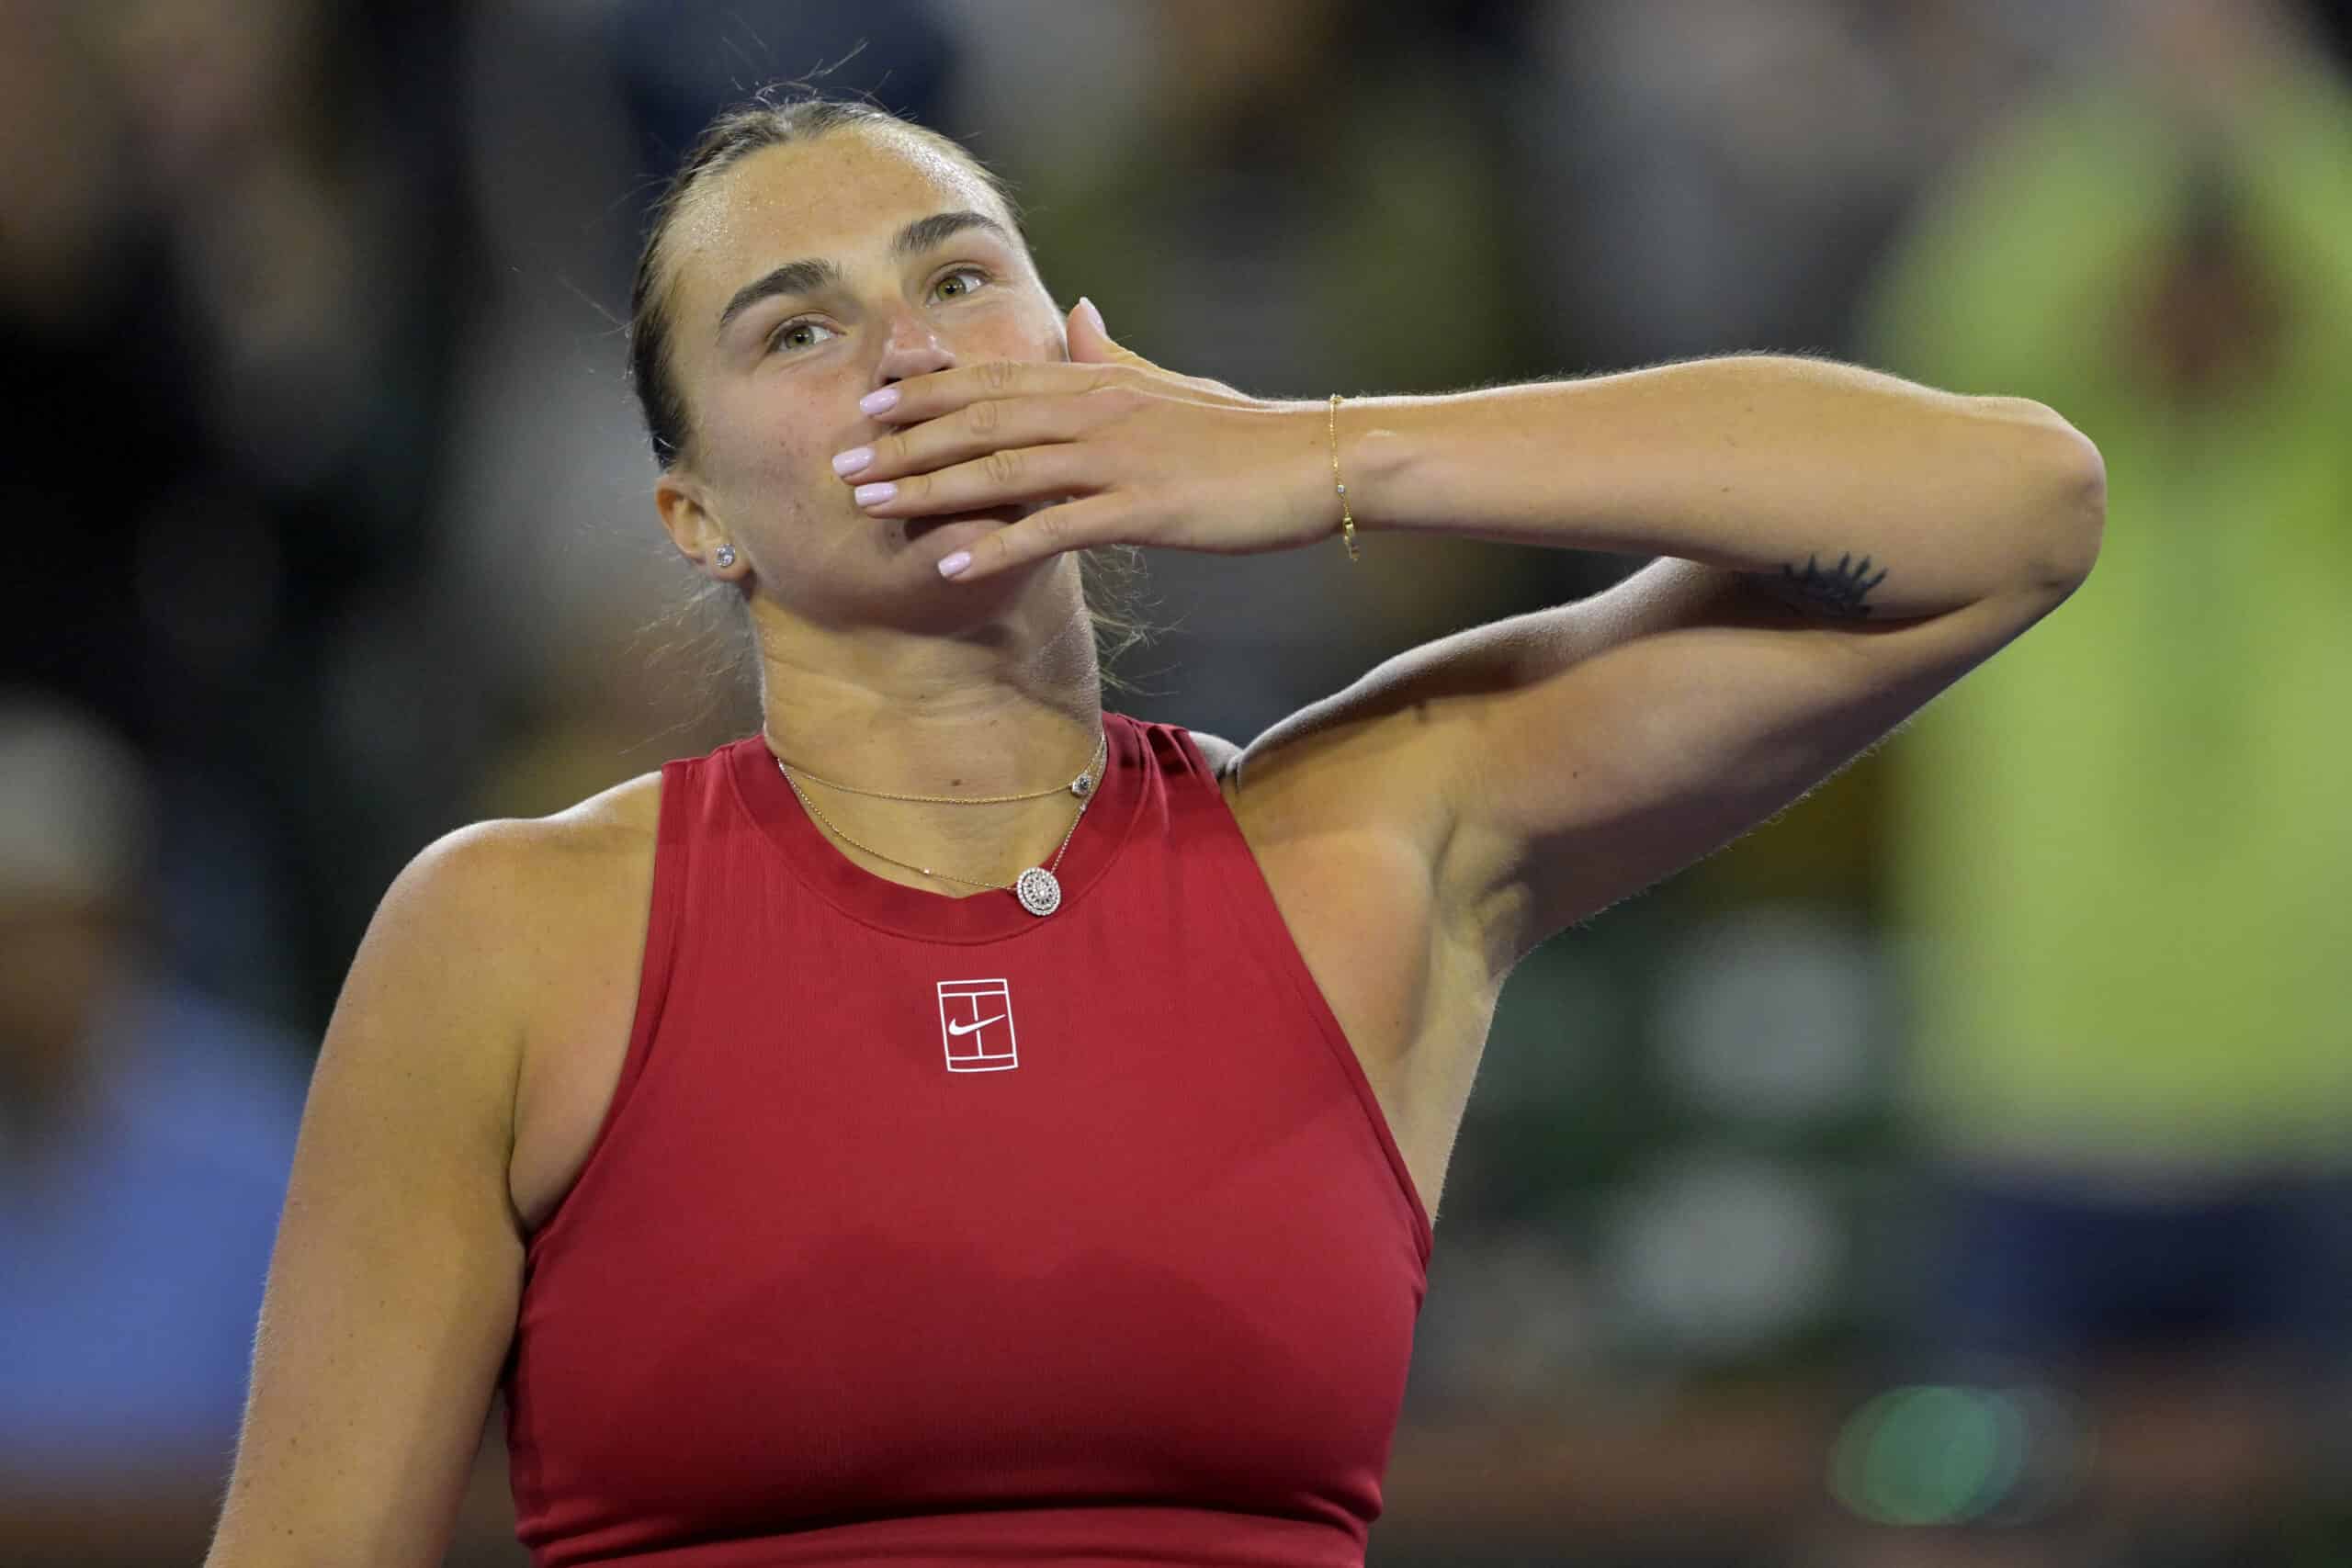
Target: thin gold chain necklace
(1037, 889)
(1076, 787)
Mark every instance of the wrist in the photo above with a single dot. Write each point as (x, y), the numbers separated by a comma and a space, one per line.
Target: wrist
(1377, 438)
(1306, 474)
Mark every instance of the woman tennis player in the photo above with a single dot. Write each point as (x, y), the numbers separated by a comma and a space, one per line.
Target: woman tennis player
(958, 1124)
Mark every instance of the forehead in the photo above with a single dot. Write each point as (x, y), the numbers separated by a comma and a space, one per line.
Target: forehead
(841, 194)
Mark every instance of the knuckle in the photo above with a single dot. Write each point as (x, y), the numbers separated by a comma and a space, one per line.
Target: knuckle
(996, 374)
(1001, 467)
(983, 417)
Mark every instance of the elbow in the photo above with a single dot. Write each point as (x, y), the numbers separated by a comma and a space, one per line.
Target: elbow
(2069, 509)
(2084, 513)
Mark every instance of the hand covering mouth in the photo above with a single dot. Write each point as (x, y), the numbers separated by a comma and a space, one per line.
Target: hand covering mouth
(1011, 512)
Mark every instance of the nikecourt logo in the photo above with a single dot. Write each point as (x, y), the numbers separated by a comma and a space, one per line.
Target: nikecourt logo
(976, 1025)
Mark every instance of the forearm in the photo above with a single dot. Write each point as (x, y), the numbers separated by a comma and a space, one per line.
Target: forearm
(1757, 465)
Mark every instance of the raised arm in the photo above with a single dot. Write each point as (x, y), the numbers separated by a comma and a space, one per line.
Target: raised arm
(394, 1287)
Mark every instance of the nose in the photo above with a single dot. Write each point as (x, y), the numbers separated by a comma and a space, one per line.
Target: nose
(911, 348)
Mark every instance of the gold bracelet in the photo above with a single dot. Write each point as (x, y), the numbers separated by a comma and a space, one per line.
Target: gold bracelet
(1347, 518)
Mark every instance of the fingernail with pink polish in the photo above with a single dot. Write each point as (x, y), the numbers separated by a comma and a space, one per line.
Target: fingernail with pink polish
(880, 402)
(950, 565)
(874, 494)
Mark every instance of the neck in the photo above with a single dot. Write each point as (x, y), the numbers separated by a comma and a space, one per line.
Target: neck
(1002, 708)
(1011, 705)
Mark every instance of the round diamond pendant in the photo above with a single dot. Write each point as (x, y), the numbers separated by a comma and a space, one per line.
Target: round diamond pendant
(1083, 785)
(1038, 892)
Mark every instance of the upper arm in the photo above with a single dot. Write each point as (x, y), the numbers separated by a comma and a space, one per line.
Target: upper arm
(394, 1283)
(1648, 725)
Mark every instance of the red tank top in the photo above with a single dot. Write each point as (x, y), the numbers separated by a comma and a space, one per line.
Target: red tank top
(922, 1230)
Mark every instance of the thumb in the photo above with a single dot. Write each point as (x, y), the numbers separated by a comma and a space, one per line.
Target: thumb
(1090, 343)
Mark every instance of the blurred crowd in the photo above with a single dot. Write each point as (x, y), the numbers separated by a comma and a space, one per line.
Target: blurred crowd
(1954, 1171)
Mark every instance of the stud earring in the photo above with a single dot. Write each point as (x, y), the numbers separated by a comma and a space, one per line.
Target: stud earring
(725, 557)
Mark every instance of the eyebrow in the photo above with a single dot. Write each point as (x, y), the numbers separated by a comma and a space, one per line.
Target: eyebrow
(811, 273)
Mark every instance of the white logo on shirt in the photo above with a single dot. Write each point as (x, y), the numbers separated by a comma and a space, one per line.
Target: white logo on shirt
(968, 1012)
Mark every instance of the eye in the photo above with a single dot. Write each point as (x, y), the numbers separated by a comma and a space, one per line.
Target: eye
(972, 272)
(797, 334)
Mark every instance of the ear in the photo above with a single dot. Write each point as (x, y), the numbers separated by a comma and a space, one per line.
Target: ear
(1090, 344)
(683, 502)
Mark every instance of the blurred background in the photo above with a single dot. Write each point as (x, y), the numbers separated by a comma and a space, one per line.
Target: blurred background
(1953, 1171)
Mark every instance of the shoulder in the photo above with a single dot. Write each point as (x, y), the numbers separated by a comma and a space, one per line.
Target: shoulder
(514, 902)
(1371, 762)
(491, 863)
(511, 939)
(1220, 753)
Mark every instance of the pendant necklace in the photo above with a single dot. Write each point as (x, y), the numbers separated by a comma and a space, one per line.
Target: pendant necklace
(1036, 888)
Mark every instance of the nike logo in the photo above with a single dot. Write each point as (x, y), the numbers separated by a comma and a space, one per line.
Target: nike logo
(967, 1028)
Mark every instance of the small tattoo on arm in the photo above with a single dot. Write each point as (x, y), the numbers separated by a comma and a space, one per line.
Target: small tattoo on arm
(1835, 592)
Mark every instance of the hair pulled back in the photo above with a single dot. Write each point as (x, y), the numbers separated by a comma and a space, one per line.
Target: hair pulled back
(1110, 574)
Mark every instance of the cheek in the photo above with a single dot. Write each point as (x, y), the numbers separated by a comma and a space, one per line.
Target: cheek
(1028, 329)
(770, 446)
